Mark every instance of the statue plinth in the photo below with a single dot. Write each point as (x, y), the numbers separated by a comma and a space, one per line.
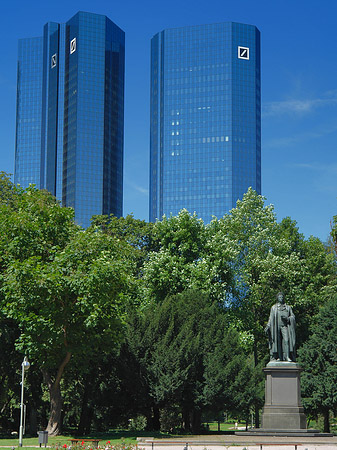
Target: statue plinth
(283, 408)
(283, 413)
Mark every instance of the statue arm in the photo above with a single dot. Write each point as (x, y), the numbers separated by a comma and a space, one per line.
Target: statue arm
(267, 328)
(291, 318)
(292, 333)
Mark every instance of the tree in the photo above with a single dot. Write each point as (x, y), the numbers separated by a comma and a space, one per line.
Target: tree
(137, 233)
(186, 256)
(318, 358)
(334, 233)
(7, 189)
(263, 263)
(189, 355)
(65, 287)
(319, 278)
(10, 361)
(33, 225)
(319, 275)
(269, 257)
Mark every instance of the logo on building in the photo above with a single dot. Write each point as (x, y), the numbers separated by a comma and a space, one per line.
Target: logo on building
(73, 45)
(53, 60)
(243, 52)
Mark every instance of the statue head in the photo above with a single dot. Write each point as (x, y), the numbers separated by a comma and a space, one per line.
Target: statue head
(280, 297)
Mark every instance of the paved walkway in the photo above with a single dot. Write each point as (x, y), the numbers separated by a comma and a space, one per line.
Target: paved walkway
(232, 442)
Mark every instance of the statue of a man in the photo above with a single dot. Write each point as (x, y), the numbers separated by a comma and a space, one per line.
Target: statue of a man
(281, 331)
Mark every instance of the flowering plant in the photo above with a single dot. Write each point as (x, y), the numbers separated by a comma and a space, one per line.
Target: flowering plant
(88, 445)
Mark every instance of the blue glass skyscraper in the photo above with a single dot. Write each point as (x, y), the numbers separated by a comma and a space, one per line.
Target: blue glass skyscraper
(70, 114)
(29, 112)
(205, 118)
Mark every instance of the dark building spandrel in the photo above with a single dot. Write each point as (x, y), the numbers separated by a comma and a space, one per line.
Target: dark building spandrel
(205, 118)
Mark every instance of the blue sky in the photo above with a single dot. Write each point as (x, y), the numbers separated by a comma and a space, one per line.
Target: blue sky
(299, 91)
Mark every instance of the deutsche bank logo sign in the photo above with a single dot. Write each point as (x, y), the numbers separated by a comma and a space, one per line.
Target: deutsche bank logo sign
(73, 45)
(53, 60)
(243, 52)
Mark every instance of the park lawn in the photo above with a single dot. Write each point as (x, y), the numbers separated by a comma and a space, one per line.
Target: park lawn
(228, 426)
(29, 441)
(116, 437)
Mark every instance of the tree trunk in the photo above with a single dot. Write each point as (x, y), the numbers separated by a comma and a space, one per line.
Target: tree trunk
(32, 421)
(54, 424)
(196, 421)
(257, 417)
(153, 419)
(85, 422)
(55, 419)
(156, 418)
(186, 419)
(326, 415)
(87, 429)
(84, 425)
(256, 408)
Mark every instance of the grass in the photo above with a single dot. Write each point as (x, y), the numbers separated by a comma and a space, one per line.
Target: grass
(228, 426)
(115, 437)
(128, 437)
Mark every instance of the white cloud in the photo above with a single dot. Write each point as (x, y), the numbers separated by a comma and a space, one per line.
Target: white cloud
(133, 186)
(317, 133)
(318, 167)
(141, 189)
(322, 176)
(298, 107)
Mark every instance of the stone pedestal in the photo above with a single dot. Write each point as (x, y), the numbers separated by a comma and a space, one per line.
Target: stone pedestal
(283, 414)
(283, 407)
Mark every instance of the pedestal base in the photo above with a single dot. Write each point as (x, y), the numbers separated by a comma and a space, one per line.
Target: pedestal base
(283, 413)
(284, 418)
(288, 433)
(283, 407)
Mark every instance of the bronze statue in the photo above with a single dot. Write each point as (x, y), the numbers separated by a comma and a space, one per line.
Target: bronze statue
(281, 331)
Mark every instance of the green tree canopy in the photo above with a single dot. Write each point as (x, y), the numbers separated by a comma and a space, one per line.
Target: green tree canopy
(334, 233)
(318, 358)
(187, 256)
(65, 287)
(190, 356)
(69, 295)
(263, 263)
(270, 257)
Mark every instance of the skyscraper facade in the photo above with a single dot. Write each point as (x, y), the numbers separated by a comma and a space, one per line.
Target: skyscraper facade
(205, 118)
(70, 114)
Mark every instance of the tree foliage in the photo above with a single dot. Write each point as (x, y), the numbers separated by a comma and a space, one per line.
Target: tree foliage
(263, 263)
(318, 358)
(190, 356)
(186, 257)
(129, 318)
(65, 287)
(334, 233)
(270, 257)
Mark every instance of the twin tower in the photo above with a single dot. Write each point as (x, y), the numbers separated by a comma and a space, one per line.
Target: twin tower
(205, 116)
